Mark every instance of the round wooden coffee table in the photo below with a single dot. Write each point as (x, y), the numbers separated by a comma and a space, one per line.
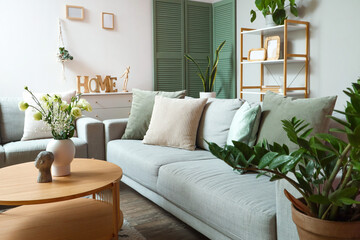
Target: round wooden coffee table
(56, 210)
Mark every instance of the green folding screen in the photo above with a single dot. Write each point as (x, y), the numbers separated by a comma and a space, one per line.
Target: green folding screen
(182, 26)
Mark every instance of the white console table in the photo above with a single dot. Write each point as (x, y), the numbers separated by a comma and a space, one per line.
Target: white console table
(108, 105)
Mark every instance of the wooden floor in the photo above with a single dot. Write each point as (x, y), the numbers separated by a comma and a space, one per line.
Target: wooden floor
(151, 221)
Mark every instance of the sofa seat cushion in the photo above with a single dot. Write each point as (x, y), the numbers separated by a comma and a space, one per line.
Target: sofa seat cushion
(25, 151)
(141, 162)
(239, 206)
(2, 156)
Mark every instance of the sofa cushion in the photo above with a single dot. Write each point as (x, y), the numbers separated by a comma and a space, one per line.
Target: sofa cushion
(141, 162)
(240, 206)
(2, 156)
(245, 125)
(215, 121)
(25, 151)
(11, 120)
(141, 111)
(277, 107)
(174, 122)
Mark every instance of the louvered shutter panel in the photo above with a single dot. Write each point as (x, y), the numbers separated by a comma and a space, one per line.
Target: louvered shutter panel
(198, 35)
(169, 72)
(224, 29)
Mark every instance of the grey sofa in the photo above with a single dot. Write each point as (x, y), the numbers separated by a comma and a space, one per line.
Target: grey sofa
(201, 190)
(196, 187)
(89, 142)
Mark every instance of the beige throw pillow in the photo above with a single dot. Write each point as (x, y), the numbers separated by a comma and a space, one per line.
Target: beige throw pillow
(38, 129)
(174, 122)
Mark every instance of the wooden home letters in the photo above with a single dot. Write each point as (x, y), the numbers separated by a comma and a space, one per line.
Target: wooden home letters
(97, 84)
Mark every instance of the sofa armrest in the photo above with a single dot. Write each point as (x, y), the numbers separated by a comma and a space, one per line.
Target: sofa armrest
(285, 227)
(114, 129)
(92, 131)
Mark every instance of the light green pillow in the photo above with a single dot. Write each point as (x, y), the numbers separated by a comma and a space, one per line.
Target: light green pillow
(277, 107)
(245, 124)
(141, 110)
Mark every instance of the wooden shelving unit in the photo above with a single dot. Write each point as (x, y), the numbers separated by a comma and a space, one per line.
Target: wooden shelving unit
(288, 58)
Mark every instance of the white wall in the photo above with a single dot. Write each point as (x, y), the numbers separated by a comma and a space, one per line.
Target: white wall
(334, 42)
(29, 42)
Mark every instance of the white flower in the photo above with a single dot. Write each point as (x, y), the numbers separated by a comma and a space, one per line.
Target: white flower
(64, 105)
(76, 112)
(23, 105)
(44, 98)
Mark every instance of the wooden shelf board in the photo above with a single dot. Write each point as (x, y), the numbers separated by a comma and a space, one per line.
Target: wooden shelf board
(274, 30)
(275, 61)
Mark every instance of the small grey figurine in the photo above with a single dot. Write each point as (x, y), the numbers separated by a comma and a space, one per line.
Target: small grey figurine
(43, 162)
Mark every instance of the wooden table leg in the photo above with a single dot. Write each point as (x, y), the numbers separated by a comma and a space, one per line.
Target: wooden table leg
(117, 213)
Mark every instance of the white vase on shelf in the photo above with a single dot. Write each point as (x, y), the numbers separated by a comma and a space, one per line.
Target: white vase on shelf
(64, 152)
(269, 22)
(207, 94)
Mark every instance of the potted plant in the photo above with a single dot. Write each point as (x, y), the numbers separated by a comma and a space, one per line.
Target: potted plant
(64, 55)
(60, 116)
(208, 79)
(326, 172)
(274, 11)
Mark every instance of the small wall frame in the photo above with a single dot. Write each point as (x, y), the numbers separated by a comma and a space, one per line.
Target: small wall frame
(74, 12)
(107, 20)
(272, 45)
(256, 54)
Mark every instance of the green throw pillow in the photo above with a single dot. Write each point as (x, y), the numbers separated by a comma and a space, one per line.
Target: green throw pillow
(245, 124)
(141, 110)
(277, 107)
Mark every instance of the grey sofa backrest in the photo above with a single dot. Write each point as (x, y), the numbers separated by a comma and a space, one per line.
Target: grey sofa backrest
(11, 120)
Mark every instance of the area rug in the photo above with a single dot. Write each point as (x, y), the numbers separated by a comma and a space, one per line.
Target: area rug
(126, 232)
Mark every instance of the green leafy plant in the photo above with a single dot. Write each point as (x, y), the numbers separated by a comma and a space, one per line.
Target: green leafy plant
(59, 115)
(276, 8)
(326, 169)
(64, 54)
(208, 79)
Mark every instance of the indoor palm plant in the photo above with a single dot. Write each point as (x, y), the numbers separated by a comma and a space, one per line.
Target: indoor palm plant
(274, 11)
(326, 170)
(208, 79)
(60, 117)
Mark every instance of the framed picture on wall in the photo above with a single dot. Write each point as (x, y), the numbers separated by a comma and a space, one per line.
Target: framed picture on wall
(74, 12)
(257, 54)
(107, 20)
(272, 45)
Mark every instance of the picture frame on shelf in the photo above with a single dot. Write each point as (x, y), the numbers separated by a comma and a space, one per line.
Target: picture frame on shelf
(74, 12)
(272, 45)
(107, 20)
(256, 54)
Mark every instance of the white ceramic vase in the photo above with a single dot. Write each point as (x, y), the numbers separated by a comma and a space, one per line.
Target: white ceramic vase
(207, 94)
(64, 152)
(269, 22)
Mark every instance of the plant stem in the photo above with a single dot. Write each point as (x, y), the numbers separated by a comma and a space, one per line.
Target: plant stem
(332, 177)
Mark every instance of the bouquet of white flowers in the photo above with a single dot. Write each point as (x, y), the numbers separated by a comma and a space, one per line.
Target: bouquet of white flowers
(57, 114)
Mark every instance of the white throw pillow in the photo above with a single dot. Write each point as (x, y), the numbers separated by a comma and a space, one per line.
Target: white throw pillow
(245, 125)
(174, 122)
(38, 129)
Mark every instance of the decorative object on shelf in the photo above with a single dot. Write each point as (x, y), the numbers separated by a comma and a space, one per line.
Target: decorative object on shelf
(74, 12)
(272, 45)
(60, 116)
(257, 54)
(274, 11)
(326, 171)
(63, 54)
(208, 79)
(106, 85)
(126, 78)
(107, 20)
(43, 162)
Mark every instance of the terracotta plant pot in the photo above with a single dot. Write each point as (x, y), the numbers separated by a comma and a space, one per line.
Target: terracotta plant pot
(310, 228)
